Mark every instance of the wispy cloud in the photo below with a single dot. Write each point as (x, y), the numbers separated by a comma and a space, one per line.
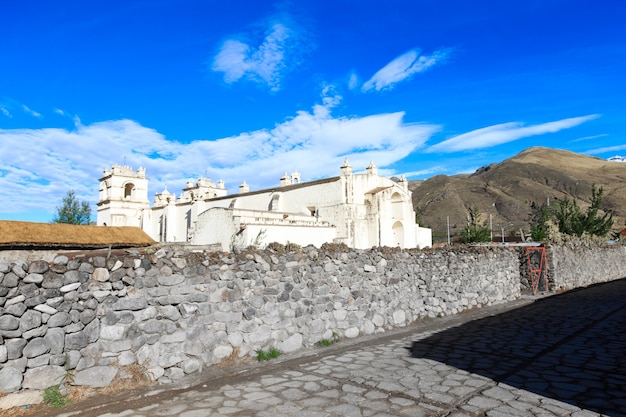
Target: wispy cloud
(606, 149)
(589, 138)
(39, 165)
(6, 112)
(425, 172)
(30, 111)
(353, 81)
(403, 68)
(504, 133)
(276, 54)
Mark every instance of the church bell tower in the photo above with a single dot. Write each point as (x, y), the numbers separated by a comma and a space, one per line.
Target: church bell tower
(123, 197)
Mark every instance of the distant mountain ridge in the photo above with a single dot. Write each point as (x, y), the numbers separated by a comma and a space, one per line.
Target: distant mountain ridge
(504, 192)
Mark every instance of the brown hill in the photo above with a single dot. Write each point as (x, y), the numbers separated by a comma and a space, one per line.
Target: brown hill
(505, 191)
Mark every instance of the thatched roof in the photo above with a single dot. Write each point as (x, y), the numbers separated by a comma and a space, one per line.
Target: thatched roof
(15, 234)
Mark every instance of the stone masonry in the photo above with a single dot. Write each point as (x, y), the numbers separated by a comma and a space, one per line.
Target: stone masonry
(174, 311)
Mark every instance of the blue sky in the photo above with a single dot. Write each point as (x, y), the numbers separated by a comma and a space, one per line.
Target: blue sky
(248, 90)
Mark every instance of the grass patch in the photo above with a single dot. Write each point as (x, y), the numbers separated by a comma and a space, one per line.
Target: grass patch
(262, 355)
(328, 342)
(54, 397)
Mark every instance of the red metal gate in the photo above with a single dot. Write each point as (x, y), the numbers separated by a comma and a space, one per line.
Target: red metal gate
(536, 269)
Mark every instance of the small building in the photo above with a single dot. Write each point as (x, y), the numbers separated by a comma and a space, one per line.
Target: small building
(360, 210)
(28, 241)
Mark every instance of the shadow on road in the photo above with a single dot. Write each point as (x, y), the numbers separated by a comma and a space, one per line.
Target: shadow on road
(569, 347)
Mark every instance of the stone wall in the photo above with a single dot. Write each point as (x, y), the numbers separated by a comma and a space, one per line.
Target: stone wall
(180, 309)
(574, 265)
(176, 311)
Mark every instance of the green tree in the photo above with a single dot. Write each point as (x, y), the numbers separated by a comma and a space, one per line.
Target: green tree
(572, 221)
(474, 231)
(539, 228)
(72, 211)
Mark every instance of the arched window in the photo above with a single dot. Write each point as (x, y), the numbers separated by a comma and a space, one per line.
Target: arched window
(398, 234)
(129, 190)
(396, 206)
(275, 203)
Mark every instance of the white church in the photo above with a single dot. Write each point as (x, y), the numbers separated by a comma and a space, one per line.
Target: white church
(360, 210)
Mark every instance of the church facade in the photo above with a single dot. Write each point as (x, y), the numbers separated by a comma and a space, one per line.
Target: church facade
(361, 210)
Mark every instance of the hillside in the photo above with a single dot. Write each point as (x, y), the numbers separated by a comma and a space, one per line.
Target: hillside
(507, 189)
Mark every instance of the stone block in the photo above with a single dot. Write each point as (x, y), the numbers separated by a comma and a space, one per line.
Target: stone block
(15, 348)
(8, 322)
(46, 309)
(14, 300)
(132, 304)
(30, 320)
(191, 365)
(52, 280)
(351, 332)
(36, 332)
(222, 351)
(19, 270)
(86, 267)
(84, 363)
(167, 361)
(10, 380)
(33, 302)
(125, 358)
(291, 344)
(60, 319)
(92, 331)
(38, 361)
(33, 279)
(75, 341)
(70, 287)
(95, 377)
(114, 332)
(100, 274)
(60, 260)
(58, 359)
(10, 280)
(170, 280)
(55, 338)
(37, 346)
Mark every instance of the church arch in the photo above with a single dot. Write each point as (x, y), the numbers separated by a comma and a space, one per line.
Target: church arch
(398, 234)
(396, 206)
(129, 191)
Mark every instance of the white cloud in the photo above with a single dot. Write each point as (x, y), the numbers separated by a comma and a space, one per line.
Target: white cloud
(606, 149)
(403, 68)
(6, 112)
(426, 172)
(38, 166)
(276, 55)
(59, 112)
(353, 81)
(30, 111)
(589, 137)
(504, 133)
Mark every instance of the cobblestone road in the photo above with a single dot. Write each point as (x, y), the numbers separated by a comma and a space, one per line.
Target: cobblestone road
(562, 355)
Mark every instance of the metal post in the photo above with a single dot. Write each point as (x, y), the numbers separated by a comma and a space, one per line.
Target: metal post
(448, 220)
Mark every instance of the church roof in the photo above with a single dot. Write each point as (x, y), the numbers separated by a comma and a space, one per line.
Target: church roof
(15, 234)
(280, 188)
